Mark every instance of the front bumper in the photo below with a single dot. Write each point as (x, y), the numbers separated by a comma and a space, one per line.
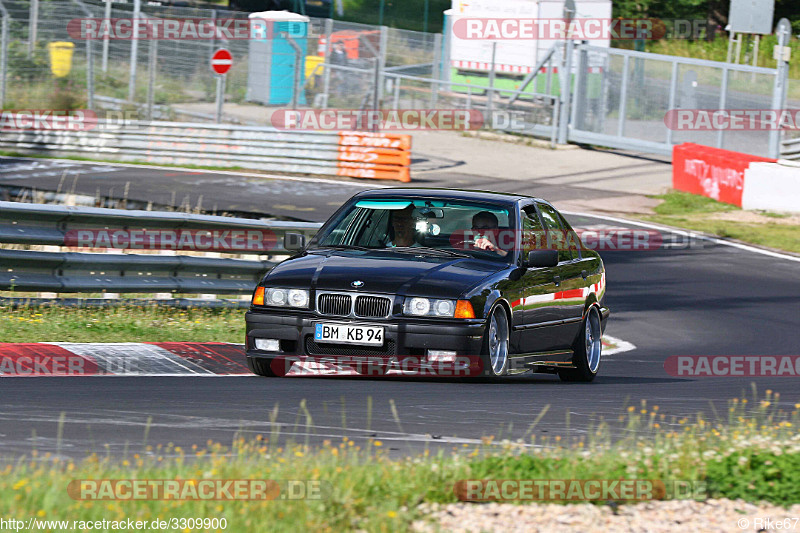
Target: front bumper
(404, 337)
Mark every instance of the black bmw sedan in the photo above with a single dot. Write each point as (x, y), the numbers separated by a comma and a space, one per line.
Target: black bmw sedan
(434, 281)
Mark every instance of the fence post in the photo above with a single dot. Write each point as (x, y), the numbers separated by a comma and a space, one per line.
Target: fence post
(33, 25)
(326, 74)
(298, 68)
(89, 60)
(579, 96)
(107, 16)
(383, 42)
(490, 91)
(783, 32)
(137, 7)
(723, 102)
(444, 62)
(89, 75)
(566, 91)
(673, 89)
(3, 54)
(436, 71)
(623, 97)
(151, 83)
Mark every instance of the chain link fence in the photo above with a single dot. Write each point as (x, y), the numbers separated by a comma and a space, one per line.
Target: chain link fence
(172, 79)
(615, 97)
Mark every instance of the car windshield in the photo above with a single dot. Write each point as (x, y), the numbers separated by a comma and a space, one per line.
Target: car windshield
(434, 226)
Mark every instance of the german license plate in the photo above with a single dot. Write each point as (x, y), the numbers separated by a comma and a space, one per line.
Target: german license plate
(348, 334)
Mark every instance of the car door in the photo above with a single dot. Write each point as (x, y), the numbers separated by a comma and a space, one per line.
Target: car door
(540, 331)
(570, 280)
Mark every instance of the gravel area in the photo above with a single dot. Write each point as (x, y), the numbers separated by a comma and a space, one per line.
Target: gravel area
(648, 517)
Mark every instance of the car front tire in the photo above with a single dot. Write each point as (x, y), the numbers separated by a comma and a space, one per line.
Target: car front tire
(494, 354)
(586, 357)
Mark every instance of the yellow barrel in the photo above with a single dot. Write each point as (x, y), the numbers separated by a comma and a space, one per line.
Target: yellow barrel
(60, 58)
(311, 64)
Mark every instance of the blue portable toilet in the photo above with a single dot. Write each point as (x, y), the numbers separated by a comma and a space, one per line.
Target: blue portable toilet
(272, 59)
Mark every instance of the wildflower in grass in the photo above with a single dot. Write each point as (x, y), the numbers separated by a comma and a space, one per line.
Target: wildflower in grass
(379, 443)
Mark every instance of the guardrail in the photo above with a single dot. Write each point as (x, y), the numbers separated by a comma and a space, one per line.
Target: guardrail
(346, 153)
(790, 149)
(124, 230)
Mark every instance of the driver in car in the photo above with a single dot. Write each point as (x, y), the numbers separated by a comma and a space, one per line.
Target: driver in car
(485, 225)
(402, 225)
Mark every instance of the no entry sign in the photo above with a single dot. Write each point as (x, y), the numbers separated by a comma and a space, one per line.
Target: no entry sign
(221, 61)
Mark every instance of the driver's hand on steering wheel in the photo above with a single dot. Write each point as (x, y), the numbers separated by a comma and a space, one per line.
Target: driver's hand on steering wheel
(486, 242)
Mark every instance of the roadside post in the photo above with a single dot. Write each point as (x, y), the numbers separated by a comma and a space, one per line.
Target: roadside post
(221, 63)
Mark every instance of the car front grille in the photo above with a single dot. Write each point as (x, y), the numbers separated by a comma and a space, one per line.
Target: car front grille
(315, 348)
(334, 304)
(372, 306)
(364, 306)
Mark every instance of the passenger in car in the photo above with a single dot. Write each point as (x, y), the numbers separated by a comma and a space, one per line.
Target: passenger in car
(401, 228)
(486, 225)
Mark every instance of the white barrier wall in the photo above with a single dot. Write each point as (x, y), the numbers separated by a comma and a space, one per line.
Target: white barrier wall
(772, 186)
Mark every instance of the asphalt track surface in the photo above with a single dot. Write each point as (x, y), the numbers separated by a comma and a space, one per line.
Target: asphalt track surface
(243, 193)
(705, 299)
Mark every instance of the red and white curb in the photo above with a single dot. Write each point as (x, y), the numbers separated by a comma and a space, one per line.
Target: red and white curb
(36, 359)
(613, 345)
(123, 359)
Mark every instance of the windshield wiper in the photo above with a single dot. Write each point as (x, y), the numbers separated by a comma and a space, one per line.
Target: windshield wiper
(428, 249)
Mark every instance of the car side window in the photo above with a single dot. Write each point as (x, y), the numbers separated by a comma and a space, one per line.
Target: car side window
(573, 239)
(557, 236)
(532, 234)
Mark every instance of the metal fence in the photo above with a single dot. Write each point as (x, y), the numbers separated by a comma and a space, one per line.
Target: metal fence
(623, 102)
(586, 94)
(175, 73)
(23, 226)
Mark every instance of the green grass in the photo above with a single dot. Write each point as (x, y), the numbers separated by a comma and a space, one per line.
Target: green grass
(750, 452)
(684, 203)
(693, 212)
(121, 324)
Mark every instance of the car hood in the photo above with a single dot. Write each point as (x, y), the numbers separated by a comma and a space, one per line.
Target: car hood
(383, 272)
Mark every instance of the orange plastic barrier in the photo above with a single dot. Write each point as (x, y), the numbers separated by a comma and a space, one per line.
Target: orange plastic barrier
(385, 156)
(711, 172)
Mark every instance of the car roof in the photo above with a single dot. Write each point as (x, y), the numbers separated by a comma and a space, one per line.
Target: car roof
(451, 194)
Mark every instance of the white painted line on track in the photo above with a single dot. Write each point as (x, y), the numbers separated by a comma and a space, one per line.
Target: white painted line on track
(688, 233)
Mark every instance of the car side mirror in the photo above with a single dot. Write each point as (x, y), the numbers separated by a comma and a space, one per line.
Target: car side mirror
(542, 258)
(294, 242)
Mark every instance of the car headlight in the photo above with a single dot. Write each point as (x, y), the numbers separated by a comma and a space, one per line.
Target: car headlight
(428, 307)
(280, 297)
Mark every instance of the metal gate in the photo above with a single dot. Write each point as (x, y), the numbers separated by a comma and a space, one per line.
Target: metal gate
(621, 98)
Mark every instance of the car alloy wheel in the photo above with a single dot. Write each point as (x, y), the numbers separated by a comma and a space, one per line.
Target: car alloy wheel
(496, 344)
(588, 350)
(593, 342)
